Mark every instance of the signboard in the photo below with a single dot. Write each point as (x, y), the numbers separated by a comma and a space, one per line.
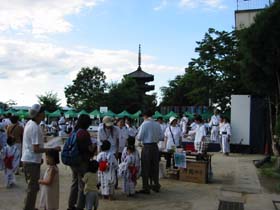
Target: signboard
(180, 160)
(103, 109)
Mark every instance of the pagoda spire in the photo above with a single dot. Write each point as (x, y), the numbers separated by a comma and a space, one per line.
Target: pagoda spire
(139, 56)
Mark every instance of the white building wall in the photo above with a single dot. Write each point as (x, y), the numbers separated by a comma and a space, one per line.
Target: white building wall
(244, 18)
(240, 119)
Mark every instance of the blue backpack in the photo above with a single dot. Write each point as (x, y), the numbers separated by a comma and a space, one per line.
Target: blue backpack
(70, 154)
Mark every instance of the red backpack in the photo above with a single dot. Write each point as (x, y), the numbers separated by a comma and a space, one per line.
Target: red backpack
(103, 165)
(8, 161)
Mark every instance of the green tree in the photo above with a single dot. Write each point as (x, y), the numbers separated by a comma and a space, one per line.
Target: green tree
(219, 58)
(87, 90)
(50, 100)
(125, 96)
(214, 75)
(260, 46)
(4, 106)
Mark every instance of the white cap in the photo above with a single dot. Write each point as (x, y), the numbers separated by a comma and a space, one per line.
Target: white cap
(171, 119)
(108, 121)
(34, 110)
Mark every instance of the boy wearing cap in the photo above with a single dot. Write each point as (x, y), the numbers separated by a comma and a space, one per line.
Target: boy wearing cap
(32, 149)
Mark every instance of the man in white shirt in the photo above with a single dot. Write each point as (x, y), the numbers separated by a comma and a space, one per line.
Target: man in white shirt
(149, 135)
(32, 149)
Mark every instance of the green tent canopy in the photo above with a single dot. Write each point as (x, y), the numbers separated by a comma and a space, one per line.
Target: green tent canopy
(157, 115)
(95, 113)
(22, 114)
(170, 114)
(83, 112)
(109, 113)
(136, 115)
(47, 113)
(124, 114)
(190, 115)
(70, 114)
(10, 111)
(2, 111)
(56, 113)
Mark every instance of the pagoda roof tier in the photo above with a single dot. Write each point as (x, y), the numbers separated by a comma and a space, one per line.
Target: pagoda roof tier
(140, 74)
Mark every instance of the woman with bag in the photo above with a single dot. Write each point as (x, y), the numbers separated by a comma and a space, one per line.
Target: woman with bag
(173, 139)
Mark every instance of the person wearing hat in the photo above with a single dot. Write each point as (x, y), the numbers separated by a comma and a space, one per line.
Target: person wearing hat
(172, 137)
(32, 149)
(149, 135)
(108, 131)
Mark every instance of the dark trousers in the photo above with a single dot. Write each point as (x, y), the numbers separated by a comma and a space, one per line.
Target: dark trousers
(150, 166)
(168, 157)
(77, 197)
(32, 175)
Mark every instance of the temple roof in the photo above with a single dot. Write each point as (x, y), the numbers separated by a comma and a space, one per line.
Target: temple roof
(139, 73)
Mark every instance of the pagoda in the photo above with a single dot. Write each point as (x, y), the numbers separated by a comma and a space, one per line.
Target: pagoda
(142, 77)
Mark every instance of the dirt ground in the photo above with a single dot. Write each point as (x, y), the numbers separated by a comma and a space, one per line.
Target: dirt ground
(174, 195)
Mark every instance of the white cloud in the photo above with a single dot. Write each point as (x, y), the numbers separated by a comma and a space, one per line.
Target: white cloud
(40, 16)
(204, 4)
(162, 4)
(28, 69)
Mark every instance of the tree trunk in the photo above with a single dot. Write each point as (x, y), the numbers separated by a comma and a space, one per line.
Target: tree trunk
(277, 162)
(273, 140)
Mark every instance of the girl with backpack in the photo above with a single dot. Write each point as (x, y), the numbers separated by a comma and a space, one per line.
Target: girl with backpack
(108, 165)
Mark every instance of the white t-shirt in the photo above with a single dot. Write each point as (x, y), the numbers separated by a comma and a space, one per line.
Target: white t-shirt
(123, 137)
(200, 133)
(176, 131)
(32, 135)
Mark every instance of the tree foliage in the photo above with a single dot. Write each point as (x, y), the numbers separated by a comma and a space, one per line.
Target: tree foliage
(87, 90)
(50, 101)
(214, 75)
(3, 105)
(260, 46)
(125, 96)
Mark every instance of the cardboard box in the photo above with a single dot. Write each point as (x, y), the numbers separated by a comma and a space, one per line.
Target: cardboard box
(196, 171)
(172, 174)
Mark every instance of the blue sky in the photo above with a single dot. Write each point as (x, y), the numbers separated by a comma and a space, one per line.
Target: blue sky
(43, 44)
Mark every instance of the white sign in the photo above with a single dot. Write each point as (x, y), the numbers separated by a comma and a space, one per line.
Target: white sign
(103, 109)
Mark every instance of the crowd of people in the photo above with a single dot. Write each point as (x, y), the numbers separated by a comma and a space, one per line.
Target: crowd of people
(113, 154)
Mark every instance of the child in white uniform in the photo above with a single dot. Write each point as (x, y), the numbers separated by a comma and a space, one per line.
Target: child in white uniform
(226, 133)
(10, 155)
(108, 165)
(130, 167)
